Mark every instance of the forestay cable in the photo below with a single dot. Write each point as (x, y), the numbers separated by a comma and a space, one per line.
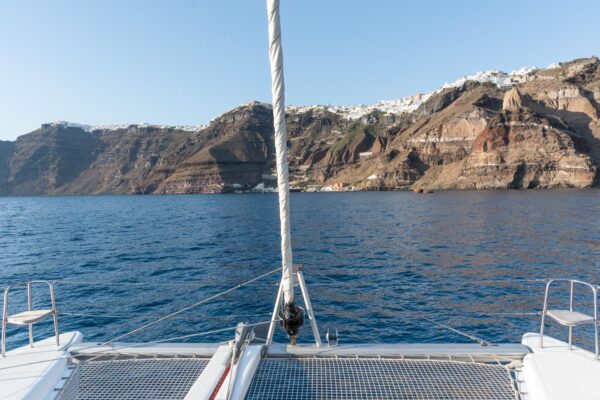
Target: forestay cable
(439, 324)
(190, 307)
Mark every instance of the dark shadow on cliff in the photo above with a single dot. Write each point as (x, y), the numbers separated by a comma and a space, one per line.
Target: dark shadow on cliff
(7, 150)
(62, 153)
(577, 125)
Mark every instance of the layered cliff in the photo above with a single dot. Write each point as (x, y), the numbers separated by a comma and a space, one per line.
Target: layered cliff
(534, 128)
(540, 132)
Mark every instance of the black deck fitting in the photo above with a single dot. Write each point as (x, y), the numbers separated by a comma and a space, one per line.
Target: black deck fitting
(292, 318)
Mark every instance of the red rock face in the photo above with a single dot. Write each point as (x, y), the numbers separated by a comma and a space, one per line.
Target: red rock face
(492, 138)
(545, 133)
(525, 153)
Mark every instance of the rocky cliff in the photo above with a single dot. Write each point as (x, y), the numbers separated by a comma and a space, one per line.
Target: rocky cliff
(535, 128)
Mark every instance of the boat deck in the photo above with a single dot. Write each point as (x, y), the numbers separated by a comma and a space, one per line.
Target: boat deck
(352, 378)
(297, 378)
(133, 378)
(304, 372)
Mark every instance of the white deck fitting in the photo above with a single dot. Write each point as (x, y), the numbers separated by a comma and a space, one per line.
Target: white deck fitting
(556, 373)
(242, 374)
(212, 375)
(455, 351)
(87, 349)
(33, 372)
(28, 317)
(570, 318)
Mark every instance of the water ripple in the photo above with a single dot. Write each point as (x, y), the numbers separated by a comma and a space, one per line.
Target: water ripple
(467, 259)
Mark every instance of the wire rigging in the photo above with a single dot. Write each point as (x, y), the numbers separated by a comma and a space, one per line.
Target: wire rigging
(430, 320)
(191, 306)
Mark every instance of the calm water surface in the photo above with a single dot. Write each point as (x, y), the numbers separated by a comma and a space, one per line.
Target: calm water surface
(376, 263)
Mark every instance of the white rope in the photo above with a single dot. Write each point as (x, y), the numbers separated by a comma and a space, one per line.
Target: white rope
(281, 153)
(190, 307)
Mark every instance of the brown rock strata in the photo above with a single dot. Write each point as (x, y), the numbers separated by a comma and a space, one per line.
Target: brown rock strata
(542, 133)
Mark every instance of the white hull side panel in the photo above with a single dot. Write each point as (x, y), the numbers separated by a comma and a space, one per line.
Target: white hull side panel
(556, 373)
(33, 373)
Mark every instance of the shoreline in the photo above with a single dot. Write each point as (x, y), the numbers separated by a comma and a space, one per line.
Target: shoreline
(250, 192)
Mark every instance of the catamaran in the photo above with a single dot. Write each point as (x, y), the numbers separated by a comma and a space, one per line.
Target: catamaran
(252, 366)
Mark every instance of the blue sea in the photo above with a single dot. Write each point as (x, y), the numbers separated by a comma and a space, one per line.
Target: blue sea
(380, 266)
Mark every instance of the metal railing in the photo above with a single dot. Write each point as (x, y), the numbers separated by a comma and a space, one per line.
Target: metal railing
(5, 315)
(307, 303)
(572, 283)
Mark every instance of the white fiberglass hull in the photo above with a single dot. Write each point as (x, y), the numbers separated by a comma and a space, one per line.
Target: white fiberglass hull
(553, 372)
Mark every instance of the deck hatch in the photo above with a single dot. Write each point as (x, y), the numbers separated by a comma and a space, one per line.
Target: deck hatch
(323, 378)
(157, 378)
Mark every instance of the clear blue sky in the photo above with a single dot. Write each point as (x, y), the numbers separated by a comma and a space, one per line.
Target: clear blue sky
(183, 62)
